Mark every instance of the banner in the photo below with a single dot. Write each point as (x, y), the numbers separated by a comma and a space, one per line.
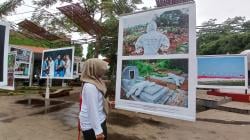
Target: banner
(222, 71)
(156, 62)
(58, 63)
(4, 42)
(23, 62)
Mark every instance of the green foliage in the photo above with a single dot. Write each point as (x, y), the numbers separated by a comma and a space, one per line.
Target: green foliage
(91, 51)
(78, 50)
(18, 40)
(174, 18)
(163, 64)
(145, 69)
(9, 6)
(48, 3)
(152, 67)
(232, 36)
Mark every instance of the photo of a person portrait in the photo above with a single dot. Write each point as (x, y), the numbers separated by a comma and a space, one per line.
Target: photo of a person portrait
(45, 67)
(51, 67)
(152, 42)
(58, 64)
(67, 66)
(156, 32)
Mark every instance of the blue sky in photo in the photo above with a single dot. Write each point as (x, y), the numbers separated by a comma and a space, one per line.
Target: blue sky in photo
(221, 66)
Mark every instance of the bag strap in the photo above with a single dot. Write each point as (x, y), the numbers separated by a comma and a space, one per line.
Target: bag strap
(80, 101)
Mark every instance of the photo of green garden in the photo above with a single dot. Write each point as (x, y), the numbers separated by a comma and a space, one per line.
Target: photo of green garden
(156, 81)
(162, 33)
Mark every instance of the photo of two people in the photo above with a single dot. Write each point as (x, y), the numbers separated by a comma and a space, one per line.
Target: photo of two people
(58, 63)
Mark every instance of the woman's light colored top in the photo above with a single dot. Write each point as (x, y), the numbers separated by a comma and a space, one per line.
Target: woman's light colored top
(92, 114)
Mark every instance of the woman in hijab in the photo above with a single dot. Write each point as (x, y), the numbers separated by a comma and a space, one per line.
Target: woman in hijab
(94, 107)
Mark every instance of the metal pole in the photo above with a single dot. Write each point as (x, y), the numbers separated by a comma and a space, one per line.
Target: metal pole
(31, 70)
(47, 95)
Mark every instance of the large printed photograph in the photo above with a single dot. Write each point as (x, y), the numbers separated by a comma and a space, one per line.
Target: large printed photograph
(23, 62)
(4, 41)
(11, 70)
(23, 55)
(156, 32)
(2, 50)
(222, 71)
(162, 82)
(11, 73)
(58, 63)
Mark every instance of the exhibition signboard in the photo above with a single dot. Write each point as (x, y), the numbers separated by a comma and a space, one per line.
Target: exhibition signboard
(156, 62)
(58, 63)
(222, 71)
(23, 62)
(4, 42)
(11, 72)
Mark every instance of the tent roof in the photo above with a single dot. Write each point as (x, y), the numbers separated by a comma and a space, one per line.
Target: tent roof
(40, 31)
(34, 49)
(82, 18)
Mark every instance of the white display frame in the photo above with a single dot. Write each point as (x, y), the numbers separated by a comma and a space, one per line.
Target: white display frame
(29, 63)
(156, 109)
(221, 86)
(77, 70)
(73, 60)
(6, 43)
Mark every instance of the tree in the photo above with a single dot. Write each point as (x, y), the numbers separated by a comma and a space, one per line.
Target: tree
(231, 36)
(9, 6)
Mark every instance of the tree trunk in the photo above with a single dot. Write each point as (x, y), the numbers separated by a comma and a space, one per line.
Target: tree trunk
(98, 45)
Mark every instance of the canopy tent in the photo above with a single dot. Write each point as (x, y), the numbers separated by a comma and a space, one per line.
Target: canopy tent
(40, 31)
(81, 18)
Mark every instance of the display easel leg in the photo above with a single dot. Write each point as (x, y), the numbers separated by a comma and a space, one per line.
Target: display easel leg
(47, 101)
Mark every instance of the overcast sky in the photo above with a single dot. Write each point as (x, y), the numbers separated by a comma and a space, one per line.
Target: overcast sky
(219, 9)
(206, 9)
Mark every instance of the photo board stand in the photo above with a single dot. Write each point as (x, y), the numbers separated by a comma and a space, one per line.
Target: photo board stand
(47, 93)
(31, 70)
(63, 83)
(4, 42)
(156, 33)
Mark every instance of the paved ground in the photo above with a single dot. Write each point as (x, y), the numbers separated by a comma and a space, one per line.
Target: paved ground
(20, 122)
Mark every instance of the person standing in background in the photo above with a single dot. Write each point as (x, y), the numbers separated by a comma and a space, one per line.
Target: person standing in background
(45, 67)
(51, 67)
(67, 66)
(57, 66)
(62, 66)
(153, 42)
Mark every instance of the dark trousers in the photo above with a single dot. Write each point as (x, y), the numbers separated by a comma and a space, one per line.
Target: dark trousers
(90, 134)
